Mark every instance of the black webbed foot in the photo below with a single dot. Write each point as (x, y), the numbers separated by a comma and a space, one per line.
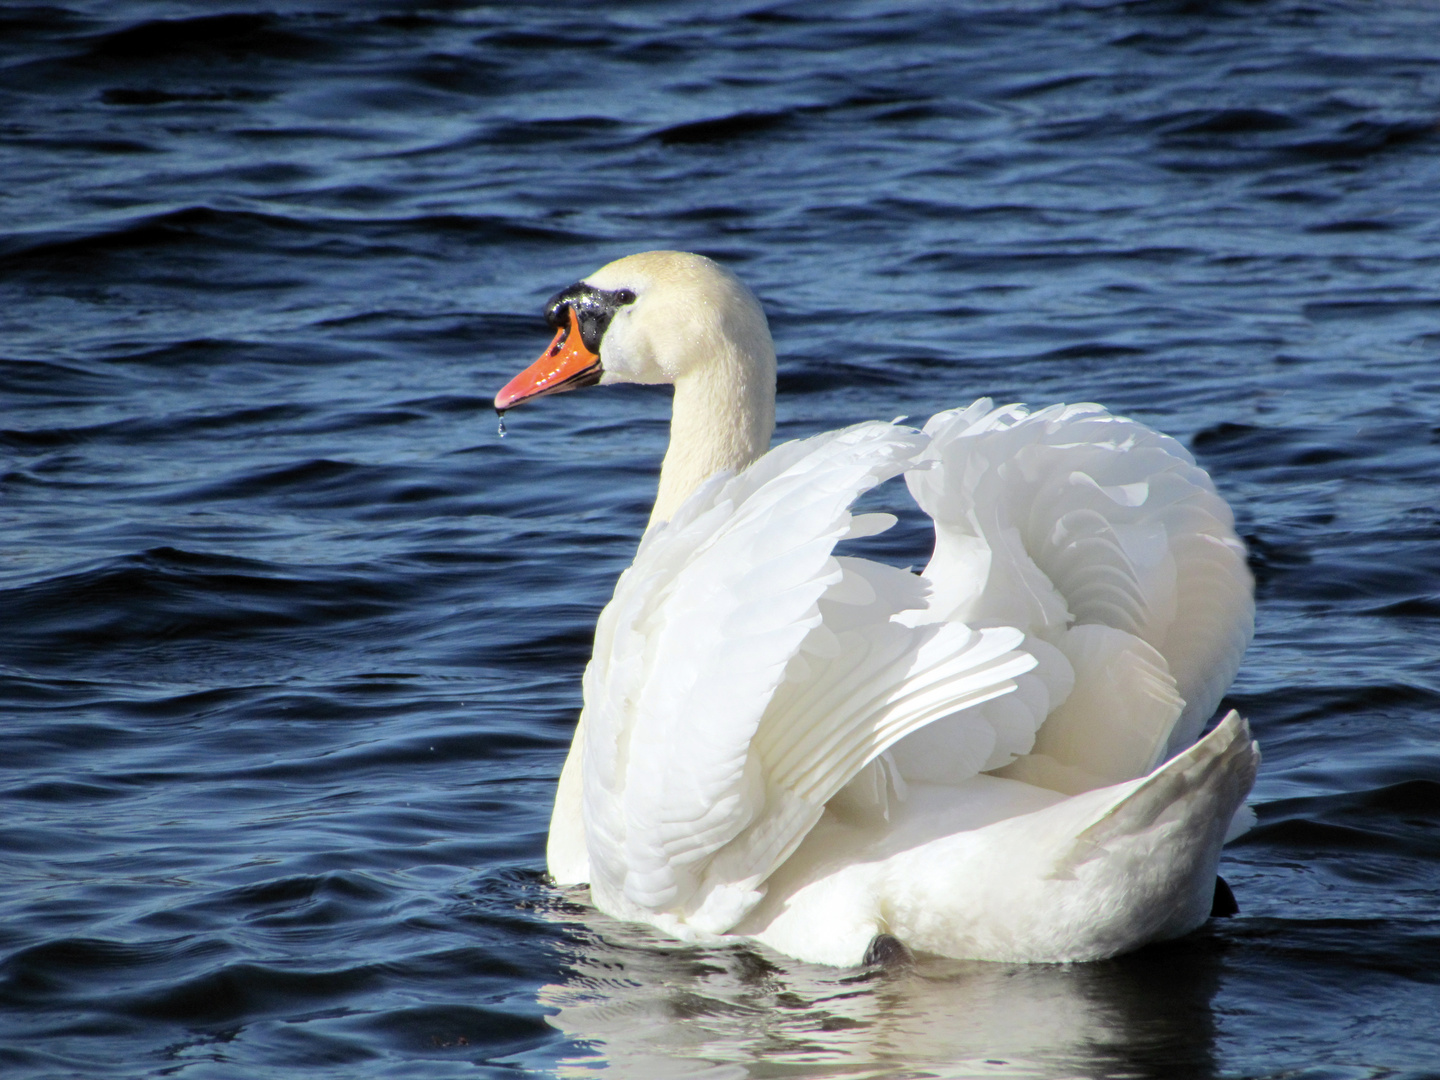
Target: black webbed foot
(888, 952)
(1224, 904)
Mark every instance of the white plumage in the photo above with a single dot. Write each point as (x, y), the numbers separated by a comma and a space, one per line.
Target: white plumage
(811, 749)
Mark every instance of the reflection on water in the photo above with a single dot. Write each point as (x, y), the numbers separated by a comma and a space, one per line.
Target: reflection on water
(641, 1006)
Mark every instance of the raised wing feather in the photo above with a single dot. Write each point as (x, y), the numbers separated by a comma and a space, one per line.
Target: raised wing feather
(1071, 518)
(696, 638)
(743, 675)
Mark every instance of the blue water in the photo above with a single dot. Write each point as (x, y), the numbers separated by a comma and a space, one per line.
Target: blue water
(290, 640)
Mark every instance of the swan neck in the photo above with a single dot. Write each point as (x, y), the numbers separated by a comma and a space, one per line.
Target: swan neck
(722, 419)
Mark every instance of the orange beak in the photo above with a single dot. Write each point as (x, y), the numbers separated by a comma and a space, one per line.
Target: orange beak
(566, 365)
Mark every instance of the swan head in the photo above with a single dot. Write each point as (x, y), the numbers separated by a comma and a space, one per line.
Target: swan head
(656, 317)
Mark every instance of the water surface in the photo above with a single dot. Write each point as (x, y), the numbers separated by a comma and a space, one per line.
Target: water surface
(290, 641)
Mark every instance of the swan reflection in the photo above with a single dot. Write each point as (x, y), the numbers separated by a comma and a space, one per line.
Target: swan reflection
(644, 1007)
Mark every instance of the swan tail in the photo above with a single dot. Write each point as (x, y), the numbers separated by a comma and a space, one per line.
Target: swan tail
(1162, 840)
(1088, 877)
(1206, 785)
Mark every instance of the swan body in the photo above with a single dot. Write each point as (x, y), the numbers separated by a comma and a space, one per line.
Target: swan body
(994, 759)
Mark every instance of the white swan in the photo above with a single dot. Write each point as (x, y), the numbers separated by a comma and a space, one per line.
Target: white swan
(822, 752)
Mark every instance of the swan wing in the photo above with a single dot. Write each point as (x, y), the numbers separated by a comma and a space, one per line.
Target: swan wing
(743, 675)
(1103, 538)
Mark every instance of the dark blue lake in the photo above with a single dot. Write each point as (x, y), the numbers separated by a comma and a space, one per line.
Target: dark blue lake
(291, 641)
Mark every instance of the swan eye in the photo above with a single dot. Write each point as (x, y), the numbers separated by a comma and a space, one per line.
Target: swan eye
(624, 296)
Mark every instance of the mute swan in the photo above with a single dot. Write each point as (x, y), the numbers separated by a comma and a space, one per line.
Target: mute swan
(844, 760)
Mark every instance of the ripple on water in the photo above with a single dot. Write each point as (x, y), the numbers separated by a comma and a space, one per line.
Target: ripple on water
(291, 642)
